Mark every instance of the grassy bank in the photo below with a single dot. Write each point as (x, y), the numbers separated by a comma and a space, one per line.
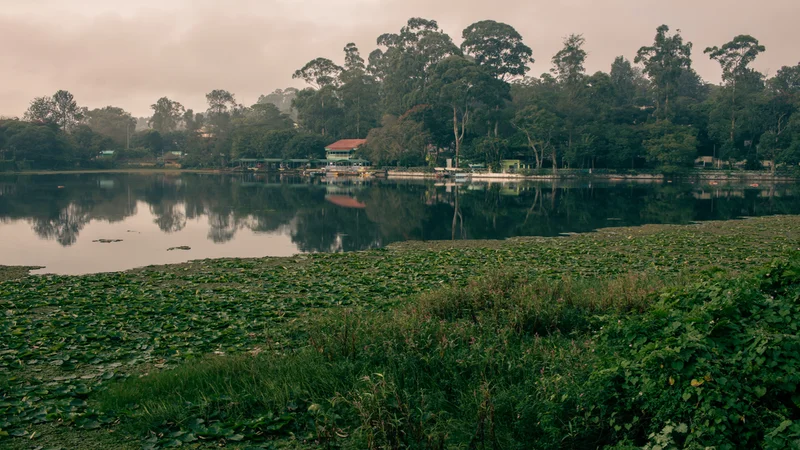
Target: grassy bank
(252, 363)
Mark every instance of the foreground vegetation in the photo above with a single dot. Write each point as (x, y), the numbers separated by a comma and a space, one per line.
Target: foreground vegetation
(658, 335)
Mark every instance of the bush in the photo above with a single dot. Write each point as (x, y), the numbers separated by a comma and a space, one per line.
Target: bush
(506, 362)
(712, 365)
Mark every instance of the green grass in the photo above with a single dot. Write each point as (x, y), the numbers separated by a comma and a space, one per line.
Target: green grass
(67, 340)
(459, 337)
(508, 363)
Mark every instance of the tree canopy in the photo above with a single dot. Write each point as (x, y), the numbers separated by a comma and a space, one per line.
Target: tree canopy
(419, 98)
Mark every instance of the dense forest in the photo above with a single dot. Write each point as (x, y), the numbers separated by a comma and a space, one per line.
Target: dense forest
(419, 98)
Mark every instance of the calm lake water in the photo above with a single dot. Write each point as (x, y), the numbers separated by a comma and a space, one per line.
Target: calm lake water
(55, 220)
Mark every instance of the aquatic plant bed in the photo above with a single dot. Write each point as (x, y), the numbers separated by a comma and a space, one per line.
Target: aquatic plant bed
(72, 346)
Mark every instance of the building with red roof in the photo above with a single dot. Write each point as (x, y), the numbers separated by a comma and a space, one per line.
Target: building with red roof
(344, 149)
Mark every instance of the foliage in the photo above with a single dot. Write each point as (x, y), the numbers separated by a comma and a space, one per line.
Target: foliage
(499, 47)
(319, 73)
(306, 146)
(568, 62)
(500, 356)
(539, 128)
(41, 145)
(404, 62)
(151, 140)
(461, 86)
(88, 144)
(673, 146)
(60, 109)
(167, 115)
(112, 122)
(710, 365)
(665, 62)
(739, 93)
(262, 132)
(399, 141)
(735, 56)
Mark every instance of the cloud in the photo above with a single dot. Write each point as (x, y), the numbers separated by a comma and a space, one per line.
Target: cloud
(129, 54)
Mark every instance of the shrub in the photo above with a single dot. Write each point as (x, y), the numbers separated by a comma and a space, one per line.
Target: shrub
(506, 362)
(710, 365)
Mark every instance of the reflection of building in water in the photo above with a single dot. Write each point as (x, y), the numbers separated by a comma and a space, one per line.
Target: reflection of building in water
(345, 186)
(345, 201)
(511, 189)
(105, 184)
(722, 193)
(7, 188)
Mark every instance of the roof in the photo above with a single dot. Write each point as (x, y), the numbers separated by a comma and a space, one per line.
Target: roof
(345, 162)
(345, 201)
(346, 144)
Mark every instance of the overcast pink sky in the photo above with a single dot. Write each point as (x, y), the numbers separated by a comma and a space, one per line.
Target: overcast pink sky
(128, 53)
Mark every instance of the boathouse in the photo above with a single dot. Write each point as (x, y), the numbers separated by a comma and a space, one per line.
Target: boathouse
(343, 150)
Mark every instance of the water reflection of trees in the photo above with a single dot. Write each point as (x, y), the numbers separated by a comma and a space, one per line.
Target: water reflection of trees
(65, 227)
(385, 212)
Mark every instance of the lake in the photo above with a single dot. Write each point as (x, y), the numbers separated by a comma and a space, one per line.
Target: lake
(64, 222)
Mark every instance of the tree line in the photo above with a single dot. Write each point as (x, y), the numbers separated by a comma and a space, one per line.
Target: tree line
(58, 133)
(420, 98)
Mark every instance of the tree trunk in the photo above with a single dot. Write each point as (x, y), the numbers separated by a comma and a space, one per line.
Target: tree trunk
(496, 121)
(323, 115)
(535, 150)
(459, 136)
(733, 111)
(458, 141)
(455, 215)
(358, 117)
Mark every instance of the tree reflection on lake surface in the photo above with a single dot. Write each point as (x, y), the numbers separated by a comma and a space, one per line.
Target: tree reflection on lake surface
(53, 220)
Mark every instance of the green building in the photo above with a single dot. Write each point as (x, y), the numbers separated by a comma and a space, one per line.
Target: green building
(343, 150)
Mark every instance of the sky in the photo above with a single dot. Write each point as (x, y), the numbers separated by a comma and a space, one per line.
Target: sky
(130, 53)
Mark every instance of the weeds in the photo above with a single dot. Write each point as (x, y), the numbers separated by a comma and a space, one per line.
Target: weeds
(527, 344)
(509, 363)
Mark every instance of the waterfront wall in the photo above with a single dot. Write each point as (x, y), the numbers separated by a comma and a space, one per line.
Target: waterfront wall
(739, 177)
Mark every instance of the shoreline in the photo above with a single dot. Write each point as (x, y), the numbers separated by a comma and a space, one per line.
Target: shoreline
(90, 171)
(509, 177)
(734, 176)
